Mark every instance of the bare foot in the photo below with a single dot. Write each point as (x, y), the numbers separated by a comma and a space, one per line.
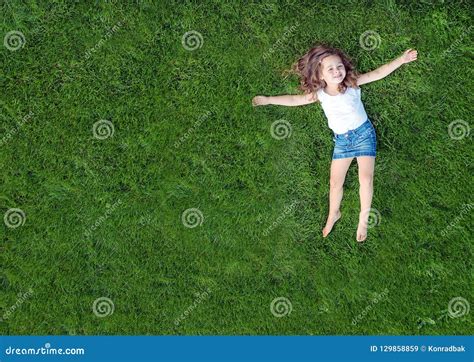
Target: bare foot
(361, 231)
(332, 218)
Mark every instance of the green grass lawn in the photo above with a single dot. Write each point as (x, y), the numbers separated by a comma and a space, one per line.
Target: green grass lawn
(104, 206)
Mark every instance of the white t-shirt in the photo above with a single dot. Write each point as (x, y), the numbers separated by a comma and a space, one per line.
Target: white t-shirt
(344, 111)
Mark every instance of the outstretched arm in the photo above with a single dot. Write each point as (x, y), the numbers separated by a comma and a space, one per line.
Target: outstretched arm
(287, 100)
(408, 56)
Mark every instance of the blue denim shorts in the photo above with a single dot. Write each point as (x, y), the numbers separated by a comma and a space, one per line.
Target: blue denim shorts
(361, 141)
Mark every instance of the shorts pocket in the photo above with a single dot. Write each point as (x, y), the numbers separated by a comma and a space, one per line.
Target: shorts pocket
(367, 133)
(341, 142)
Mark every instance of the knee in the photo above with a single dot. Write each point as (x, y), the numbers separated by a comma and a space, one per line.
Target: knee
(336, 184)
(366, 179)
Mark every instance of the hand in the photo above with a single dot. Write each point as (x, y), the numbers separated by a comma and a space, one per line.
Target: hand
(409, 55)
(259, 101)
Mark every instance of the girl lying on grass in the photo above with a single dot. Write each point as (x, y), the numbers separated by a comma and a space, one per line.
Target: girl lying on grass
(327, 76)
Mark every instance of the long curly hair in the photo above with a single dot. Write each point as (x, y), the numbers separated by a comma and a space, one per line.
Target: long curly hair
(308, 68)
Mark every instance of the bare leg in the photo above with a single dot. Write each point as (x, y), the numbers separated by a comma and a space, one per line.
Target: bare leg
(366, 190)
(339, 169)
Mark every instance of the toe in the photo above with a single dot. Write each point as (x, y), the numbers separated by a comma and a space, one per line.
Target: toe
(361, 237)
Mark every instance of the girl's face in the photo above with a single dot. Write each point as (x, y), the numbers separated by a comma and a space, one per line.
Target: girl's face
(332, 70)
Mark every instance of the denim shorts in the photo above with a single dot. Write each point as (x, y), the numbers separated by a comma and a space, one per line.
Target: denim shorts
(361, 141)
